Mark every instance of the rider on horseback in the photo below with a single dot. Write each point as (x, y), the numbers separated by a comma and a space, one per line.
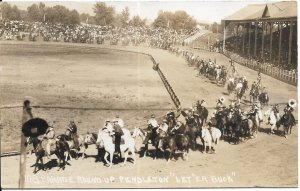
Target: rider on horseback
(179, 129)
(162, 131)
(152, 126)
(49, 137)
(171, 118)
(288, 109)
(163, 128)
(73, 136)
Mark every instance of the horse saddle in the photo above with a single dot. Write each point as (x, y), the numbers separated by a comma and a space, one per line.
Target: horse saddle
(45, 142)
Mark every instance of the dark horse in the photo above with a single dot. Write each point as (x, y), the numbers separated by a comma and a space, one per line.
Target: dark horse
(150, 135)
(179, 142)
(288, 121)
(60, 148)
(203, 112)
(263, 98)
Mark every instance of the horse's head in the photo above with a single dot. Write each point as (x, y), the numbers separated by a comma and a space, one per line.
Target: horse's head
(137, 132)
(89, 138)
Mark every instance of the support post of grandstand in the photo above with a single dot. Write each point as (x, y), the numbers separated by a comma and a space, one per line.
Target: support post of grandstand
(262, 41)
(290, 43)
(224, 36)
(279, 44)
(244, 38)
(249, 39)
(255, 40)
(271, 40)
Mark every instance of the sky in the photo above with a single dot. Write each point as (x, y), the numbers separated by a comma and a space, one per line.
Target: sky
(202, 11)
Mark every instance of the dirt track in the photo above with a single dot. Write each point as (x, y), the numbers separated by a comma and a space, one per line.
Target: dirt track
(264, 161)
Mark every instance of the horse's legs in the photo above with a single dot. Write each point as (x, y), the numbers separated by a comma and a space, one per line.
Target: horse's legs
(146, 150)
(125, 158)
(105, 157)
(215, 145)
(43, 167)
(170, 155)
(83, 153)
(36, 164)
(204, 145)
(133, 154)
(111, 155)
(272, 128)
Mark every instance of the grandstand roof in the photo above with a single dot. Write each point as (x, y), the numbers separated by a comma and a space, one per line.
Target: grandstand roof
(271, 11)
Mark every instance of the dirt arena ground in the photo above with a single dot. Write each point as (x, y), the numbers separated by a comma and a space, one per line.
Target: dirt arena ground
(94, 76)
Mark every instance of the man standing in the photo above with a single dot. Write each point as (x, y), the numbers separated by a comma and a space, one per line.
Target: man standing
(118, 134)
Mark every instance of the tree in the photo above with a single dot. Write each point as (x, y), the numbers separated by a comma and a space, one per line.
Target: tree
(105, 15)
(125, 17)
(33, 13)
(178, 20)
(136, 21)
(11, 13)
(181, 20)
(73, 17)
(15, 13)
(163, 20)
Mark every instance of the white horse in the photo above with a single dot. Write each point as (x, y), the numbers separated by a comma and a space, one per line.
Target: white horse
(105, 141)
(210, 138)
(137, 132)
(273, 117)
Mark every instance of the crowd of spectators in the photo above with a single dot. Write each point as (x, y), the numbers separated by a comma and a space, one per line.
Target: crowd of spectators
(87, 33)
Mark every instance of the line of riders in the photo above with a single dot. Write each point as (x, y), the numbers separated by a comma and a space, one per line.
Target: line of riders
(177, 133)
(222, 75)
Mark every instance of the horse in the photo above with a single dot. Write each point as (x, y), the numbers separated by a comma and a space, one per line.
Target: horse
(60, 149)
(181, 142)
(273, 117)
(254, 93)
(256, 118)
(210, 137)
(203, 112)
(143, 134)
(90, 138)
(230, 86)
(264, 98)
(71, 143)
(288, 121)
(222, 120)
(105, 141)
(241, 91)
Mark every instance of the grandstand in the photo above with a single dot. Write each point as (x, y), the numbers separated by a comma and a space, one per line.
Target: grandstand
(265, 32)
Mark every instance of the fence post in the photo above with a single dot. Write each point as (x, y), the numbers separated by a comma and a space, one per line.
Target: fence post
(25, 117)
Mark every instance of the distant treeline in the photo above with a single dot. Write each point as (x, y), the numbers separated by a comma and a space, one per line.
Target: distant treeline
(104, 15)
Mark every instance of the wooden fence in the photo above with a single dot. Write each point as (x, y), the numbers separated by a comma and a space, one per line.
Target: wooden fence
(287, 76)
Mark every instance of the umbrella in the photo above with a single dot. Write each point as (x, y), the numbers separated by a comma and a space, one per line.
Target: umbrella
(34, 127)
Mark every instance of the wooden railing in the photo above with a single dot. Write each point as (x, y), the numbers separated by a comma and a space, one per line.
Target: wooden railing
(287, 76)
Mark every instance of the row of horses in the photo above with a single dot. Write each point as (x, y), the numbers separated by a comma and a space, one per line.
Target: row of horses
(219, 73)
